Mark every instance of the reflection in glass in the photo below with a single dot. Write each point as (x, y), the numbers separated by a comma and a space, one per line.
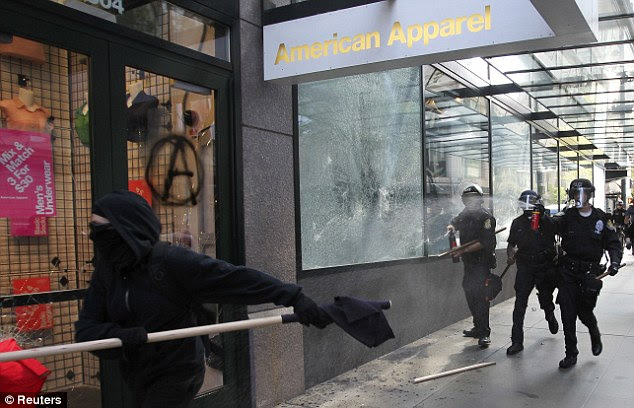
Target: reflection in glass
(568, 169)
(163, 20)
(456, 149)
(158, 107)
(511, 166)
(545, 171)
(360, 168)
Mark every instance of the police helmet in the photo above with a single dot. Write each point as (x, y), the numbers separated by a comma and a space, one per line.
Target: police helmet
(619, 202)
(472, 196)
(581, 191)
(528, 200)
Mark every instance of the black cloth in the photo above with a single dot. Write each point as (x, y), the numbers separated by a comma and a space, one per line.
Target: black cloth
(583, 239)
(120, 299)
(364, 320)
(142, 117)
(477, 225)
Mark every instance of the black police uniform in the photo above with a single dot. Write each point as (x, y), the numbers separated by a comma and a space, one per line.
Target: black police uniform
(535, 268)
(583, 240)
(479, 225)
(618, 217)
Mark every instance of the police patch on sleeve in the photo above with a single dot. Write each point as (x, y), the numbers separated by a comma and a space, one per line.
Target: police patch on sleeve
(487, 223)
(598, 227)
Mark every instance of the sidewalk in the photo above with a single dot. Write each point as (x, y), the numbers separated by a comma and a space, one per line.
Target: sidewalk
(529, 379)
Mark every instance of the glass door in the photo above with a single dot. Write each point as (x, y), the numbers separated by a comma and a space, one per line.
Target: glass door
(170, 134)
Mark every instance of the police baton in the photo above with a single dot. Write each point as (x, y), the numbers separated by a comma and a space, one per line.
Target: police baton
(463, 246)
(606, 273)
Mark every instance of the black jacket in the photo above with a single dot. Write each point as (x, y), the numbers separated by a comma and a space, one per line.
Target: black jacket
(477, 225)
(116, 301)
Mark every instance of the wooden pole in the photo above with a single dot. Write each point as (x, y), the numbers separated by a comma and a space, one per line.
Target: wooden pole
(152, 338)
(452, 372)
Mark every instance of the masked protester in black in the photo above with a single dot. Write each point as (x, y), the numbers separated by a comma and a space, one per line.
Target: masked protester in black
(585, 232)
(123, 301)
(535, 267)
(476, 224)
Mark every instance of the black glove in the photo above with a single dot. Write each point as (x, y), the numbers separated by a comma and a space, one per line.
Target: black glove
(309, 313)
(614, 268)
(132, 337)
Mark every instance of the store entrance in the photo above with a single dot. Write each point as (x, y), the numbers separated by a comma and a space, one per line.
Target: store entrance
(80, 116)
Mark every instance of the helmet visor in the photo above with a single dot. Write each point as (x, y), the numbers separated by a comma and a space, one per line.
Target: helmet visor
(528, 202)
(581, 196)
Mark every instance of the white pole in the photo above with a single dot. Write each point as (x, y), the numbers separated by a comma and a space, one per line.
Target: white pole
(452, 372)
(152, 338)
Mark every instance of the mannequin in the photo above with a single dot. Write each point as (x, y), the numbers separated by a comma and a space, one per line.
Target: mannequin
(26, 96)
(23, 113)
(133, 90)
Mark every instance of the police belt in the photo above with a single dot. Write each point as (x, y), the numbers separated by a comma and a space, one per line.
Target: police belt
(578, 265)
(538, 258)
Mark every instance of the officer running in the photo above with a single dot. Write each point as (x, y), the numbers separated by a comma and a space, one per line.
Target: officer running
(535, 268)
(476, 224)
(585, 233)
(629, 231)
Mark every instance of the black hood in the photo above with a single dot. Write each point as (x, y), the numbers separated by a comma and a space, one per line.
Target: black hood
(133, 219)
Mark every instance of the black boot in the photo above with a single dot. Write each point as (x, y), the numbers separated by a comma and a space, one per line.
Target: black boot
(553, 325)
(484, 341)
(471, 333)
(568, 361)
(514, 349)
(595, 339)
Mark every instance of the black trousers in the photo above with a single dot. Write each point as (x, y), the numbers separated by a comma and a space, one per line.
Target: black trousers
(574, 303)
(543, 277)
(474, 289)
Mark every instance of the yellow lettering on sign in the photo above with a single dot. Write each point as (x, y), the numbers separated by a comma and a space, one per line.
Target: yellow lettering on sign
(298, 51)
(396, 34)
(430, 35)
(424, 32)
(316, 50)
(344, 48)
(282, 55)
(447, 27)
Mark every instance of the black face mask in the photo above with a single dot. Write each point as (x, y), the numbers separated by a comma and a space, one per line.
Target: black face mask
(111, 246)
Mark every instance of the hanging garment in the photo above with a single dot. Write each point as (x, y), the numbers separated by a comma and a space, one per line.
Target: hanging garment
(21, 117)
(142, 117)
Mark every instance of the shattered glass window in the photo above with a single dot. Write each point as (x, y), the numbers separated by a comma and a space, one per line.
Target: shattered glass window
(360, 168)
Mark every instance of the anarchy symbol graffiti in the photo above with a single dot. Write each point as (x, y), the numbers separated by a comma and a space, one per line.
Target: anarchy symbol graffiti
(174, 171)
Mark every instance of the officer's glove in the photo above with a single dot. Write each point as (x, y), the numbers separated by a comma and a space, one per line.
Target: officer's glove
(309, 313)
(614, 268)
(540, 208)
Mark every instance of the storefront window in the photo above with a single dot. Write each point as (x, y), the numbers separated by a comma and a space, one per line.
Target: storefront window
(171, 163)
(545, 171)
(163, 20)
(45, 206)
(511, 157)
(456, 151)
(360, 168)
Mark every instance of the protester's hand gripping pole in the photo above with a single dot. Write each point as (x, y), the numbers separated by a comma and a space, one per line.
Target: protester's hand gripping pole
(606, 273)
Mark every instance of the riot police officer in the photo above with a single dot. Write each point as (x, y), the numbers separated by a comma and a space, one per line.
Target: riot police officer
(585, 232)
(476, 224)
(535, 242)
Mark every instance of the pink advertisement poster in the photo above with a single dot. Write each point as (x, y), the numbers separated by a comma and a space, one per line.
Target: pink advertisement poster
(27, 185)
